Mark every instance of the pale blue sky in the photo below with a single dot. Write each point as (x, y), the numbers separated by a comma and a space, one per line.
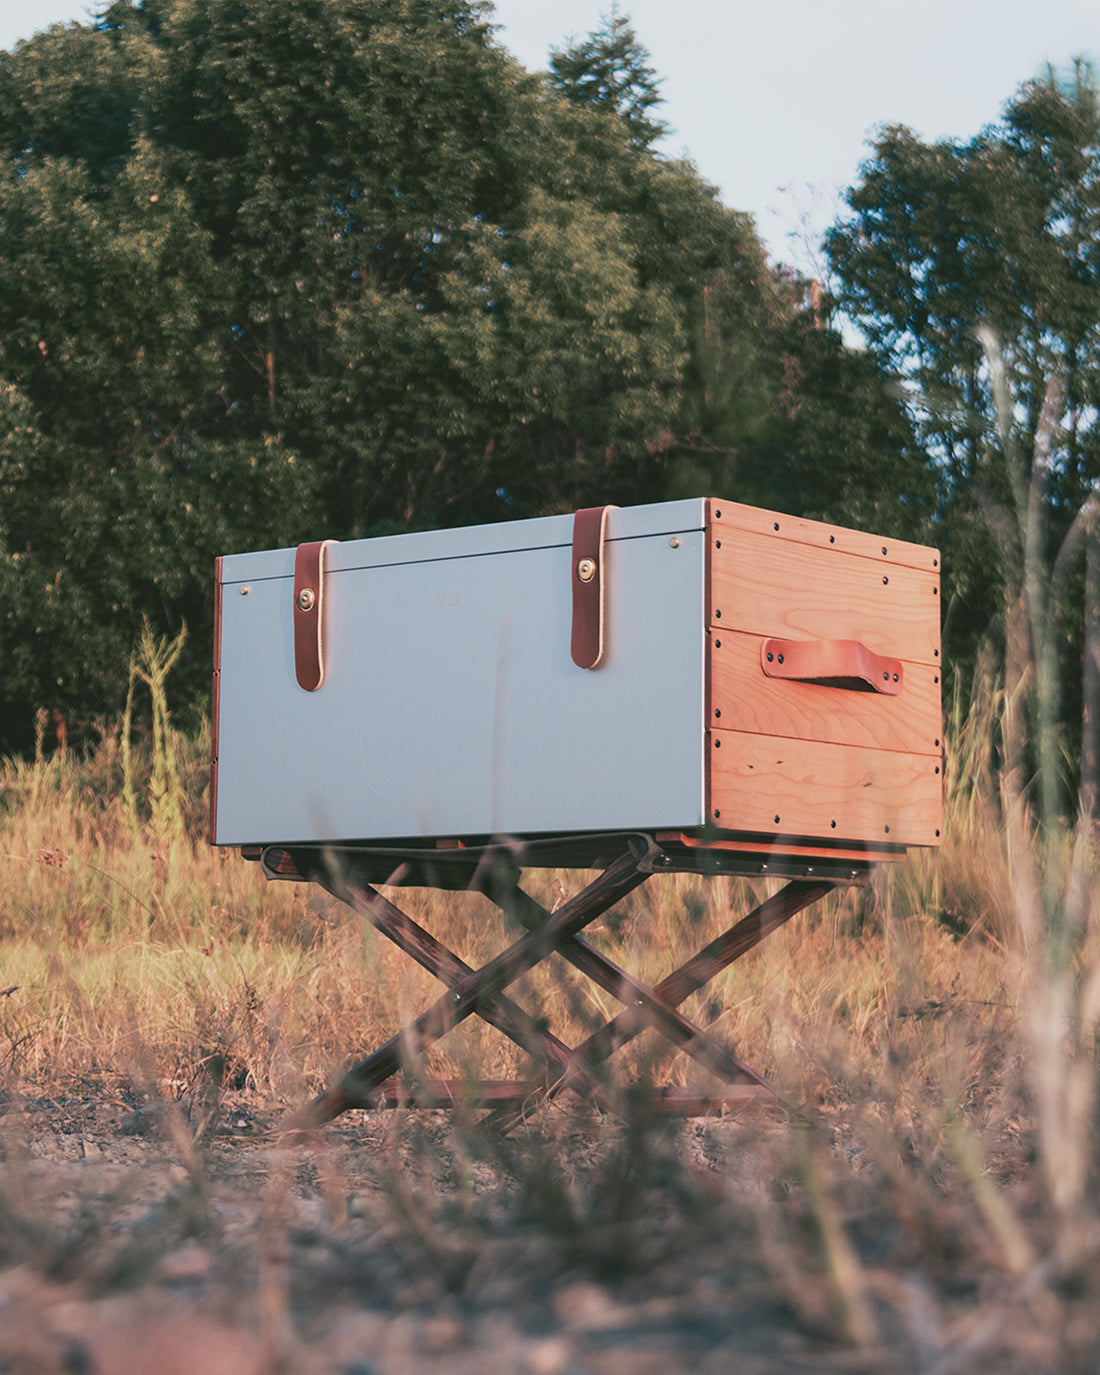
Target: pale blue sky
(775, 99)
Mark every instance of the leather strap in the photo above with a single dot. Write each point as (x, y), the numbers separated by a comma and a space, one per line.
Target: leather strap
(309, 604)
(832, 663)
(587, 644)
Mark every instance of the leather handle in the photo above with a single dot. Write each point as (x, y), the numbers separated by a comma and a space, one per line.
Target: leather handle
(309, 604)
(589, 527)
(832, 663)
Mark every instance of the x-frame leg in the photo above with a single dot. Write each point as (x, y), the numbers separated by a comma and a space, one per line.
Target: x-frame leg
(481, 991)
(656, 1007)
(559, 1063)
(470, 991)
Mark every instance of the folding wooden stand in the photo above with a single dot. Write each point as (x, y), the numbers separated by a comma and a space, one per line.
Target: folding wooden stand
(387, 1077)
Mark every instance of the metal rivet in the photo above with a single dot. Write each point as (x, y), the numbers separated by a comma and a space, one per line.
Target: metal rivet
(771, 656)
(781, 658)
(306, 599)
(586, 570)
(245, 590)
(674, 542)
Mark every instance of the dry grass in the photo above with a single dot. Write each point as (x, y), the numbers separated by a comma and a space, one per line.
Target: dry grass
(930, 1206)
(127, 949)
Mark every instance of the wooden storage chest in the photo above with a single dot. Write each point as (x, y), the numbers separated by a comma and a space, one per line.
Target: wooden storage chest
(763, 682)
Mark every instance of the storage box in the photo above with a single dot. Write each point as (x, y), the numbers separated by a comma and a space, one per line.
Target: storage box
(697, 668)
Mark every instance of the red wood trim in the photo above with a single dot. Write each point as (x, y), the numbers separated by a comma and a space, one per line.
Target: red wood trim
(309, 601)
(215, 702)
(765, 845)
(589, 527)
(833, 663)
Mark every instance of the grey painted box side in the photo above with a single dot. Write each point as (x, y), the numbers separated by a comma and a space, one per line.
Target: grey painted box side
(451, 705)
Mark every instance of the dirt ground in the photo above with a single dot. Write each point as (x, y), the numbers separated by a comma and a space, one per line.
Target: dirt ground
(409, 1243)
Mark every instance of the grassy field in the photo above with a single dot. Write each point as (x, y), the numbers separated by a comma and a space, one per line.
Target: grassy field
(930, 1207)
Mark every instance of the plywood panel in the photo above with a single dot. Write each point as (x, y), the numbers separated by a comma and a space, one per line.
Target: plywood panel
(743, 699)
(768, 585)
(727, 516)
(808, 788)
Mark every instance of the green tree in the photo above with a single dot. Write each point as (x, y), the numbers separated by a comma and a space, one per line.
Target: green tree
(949, 243)
(343, 266)
(610, 70)
(999, 233)
(333, 264)
(781, 413)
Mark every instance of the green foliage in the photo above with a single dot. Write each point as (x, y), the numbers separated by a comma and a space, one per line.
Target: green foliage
(610, 70)
(947, 242)
(342, 266)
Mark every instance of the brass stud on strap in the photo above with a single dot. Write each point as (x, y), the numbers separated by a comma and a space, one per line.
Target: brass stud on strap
(586, 570)
(306, 599)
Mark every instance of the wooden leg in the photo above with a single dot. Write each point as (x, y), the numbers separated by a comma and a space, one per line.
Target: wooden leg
(705, 964)
(499, 1011)
(642, 1002)
(655, 1007)
(470, 990)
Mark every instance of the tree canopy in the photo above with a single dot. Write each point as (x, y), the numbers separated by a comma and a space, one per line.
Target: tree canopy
(973, 268)
(999, 233)
(609, 70)
(338, 267)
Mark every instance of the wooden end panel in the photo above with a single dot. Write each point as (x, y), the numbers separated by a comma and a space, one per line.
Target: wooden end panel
(805, 788)
(727, 516)
(743, 698)
(769, 586)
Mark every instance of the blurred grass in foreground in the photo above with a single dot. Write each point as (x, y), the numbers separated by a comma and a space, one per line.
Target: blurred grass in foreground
(945, 1064)
(939, 1030)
